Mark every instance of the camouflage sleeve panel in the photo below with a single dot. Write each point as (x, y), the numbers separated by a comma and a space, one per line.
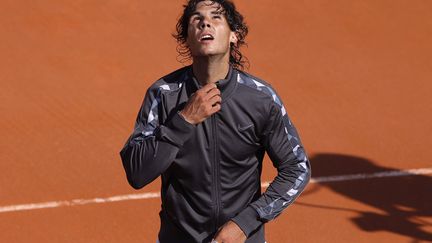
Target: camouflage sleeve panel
(286, 151)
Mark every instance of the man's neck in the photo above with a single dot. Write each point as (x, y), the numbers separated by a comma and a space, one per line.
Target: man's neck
(209, 71)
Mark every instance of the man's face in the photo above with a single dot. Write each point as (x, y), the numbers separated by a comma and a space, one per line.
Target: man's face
(208, 32)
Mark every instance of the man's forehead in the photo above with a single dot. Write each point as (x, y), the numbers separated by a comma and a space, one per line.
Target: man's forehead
(209, 5)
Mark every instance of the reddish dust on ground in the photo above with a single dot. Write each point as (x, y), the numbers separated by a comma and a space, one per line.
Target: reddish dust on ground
(355, 77)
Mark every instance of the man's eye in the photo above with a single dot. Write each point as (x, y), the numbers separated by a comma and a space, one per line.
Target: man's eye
(217, 17)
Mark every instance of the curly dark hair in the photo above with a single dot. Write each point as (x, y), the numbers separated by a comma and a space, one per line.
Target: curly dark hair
(235, 21)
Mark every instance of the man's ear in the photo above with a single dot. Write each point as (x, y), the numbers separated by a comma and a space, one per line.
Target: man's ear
(233, 37)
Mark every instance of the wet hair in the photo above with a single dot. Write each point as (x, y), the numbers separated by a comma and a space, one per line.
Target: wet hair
(235, 21)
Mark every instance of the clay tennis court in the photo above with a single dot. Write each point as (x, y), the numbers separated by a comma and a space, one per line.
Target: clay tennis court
(355, 77)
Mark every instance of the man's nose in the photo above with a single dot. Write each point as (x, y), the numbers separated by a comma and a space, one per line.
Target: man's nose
(205, 23)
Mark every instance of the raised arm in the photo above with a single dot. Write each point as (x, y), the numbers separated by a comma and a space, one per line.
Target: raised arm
(153, 146)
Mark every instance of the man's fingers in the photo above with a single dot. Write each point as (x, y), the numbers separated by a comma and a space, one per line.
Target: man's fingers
(215, 108)
(215, 99)
(206, 88)
(213, 92)
(204, 103)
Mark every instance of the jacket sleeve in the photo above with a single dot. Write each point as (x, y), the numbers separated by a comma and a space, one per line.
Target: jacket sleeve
(285, 149)
(153, 146)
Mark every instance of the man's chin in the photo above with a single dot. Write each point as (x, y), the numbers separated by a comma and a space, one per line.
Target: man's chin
(208, 54)
(204, 53)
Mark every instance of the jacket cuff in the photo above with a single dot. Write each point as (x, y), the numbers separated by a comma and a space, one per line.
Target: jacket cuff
(248, 220)
(176, 131)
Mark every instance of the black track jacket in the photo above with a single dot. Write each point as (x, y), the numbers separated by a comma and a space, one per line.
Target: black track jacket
(211, 171)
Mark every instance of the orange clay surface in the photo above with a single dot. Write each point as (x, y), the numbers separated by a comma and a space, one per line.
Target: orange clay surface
(355, 77)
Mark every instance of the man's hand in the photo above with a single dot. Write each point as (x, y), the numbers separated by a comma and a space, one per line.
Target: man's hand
(230, 233)
(202, 104)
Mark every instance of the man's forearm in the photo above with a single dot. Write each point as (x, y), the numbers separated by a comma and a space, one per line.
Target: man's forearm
(145, 157)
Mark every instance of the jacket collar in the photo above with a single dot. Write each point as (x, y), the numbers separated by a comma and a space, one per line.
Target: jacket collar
(226, 86)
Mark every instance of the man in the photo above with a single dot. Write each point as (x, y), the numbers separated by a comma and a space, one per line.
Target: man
(205, 128)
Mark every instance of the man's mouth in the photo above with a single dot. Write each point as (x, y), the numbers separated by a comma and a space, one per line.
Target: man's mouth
(206, 37)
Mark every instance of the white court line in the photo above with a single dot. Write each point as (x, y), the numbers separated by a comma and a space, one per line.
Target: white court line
(149, 195)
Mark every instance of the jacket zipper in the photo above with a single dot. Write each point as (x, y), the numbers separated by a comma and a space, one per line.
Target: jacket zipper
(216, 170)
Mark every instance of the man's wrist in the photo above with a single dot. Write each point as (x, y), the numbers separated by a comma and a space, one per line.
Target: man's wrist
(184, 117)
(176, 130)
(247, 220)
